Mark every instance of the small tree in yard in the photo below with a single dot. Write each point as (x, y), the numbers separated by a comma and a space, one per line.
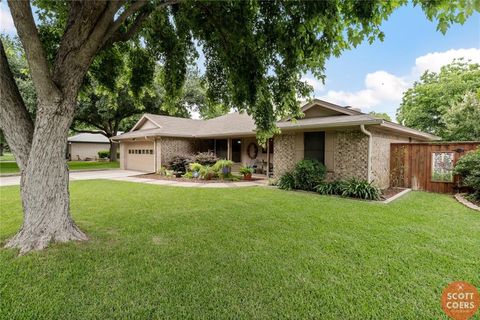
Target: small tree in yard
(255, 52)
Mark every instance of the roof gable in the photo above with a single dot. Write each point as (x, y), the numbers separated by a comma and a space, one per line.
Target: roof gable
(145, 122)
(319, 108)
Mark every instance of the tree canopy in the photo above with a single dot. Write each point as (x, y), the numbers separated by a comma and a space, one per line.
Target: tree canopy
(255, 54)
(429, 105)
(380, 115)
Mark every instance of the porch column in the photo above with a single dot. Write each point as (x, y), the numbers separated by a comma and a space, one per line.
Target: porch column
(229, 149)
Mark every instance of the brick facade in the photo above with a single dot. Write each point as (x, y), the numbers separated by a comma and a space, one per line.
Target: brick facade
(284, 155)
(350, 155)
(170, 147)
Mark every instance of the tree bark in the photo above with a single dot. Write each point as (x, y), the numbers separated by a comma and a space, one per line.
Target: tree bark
(113, 151)
(44, 183)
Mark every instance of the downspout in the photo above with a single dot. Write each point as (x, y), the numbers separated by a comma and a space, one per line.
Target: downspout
(369, 152)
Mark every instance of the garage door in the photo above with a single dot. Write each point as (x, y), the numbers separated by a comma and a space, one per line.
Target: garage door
(140, 157)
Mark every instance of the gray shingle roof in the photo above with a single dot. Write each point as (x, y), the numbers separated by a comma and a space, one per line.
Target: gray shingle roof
(89, 137)
(241, 124)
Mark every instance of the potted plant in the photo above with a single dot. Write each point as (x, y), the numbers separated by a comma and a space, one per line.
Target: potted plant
(247, 172)
(195, 168)
(223, 166)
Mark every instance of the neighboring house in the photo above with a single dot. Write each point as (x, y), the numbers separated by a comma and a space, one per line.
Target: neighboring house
(85, 146)
(348, 142)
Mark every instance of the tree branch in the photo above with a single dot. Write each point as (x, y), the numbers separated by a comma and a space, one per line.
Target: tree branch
(116, 35)
(36, 57)
(15, 121)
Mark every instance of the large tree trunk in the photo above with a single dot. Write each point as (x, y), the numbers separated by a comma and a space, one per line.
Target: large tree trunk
(113, 151)
(44, 184)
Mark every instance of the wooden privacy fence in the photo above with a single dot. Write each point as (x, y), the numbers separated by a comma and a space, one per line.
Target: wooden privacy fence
(427, 166)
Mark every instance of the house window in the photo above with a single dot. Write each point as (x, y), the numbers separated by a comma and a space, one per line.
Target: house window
(151, 151)
(314, 146)
(442, 166)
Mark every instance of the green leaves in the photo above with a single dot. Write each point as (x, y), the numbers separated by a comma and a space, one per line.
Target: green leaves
(427, 104)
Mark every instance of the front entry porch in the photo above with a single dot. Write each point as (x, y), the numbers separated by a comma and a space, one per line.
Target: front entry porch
(243, 151)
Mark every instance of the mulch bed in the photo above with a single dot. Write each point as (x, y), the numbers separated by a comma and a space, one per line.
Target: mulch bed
(159, 177)
(390, 192)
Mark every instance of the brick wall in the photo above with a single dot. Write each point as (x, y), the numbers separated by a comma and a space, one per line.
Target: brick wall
(350, 155)
(284, 159)
(170, 147)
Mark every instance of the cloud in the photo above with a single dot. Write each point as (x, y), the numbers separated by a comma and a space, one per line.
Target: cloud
(386, 89)
(435, 60)
(6, 21)
(315, 83)
(380, 87)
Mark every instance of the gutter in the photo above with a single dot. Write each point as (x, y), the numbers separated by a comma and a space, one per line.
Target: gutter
(369, 153)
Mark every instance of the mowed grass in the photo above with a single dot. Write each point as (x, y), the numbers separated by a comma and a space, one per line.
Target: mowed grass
(11, 167)
(246, 253)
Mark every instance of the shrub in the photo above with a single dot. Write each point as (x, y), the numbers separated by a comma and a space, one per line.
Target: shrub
(286, 182)
(102, 154)
(195, 166)
(361, 189)
(162, 171)
(468, 167)
(179, 163)
(188, 175)
(308, 174)
(204, 158)
(331, 188)
(207, 173)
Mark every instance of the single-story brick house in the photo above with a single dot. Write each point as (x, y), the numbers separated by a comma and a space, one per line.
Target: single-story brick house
(85, 146)
(349, 142)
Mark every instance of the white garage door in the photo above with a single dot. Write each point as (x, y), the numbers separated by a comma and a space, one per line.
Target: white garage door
(140, 156)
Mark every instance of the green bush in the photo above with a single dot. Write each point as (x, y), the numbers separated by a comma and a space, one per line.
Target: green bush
(308, 174)
(207, 173)
(331, 188)
(204, 158)
(468, 167)
(286, 182)
(102, 154)
(361, 189)
(188, 175)
(195, 166)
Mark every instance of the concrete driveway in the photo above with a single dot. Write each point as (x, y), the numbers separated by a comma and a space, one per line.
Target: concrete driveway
(79, 175)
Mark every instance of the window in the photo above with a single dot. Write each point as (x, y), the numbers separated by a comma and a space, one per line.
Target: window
(314, 146)
(151, 151)
(442, 166)
(129, 151)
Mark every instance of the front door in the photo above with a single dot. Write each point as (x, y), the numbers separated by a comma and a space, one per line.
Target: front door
(236, 150)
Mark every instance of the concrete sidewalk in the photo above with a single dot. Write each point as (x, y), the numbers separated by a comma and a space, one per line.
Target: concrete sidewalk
(79, 175)
(127, 175)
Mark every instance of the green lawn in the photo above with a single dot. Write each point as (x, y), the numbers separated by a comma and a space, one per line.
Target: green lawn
(11, 167)
(166, 252)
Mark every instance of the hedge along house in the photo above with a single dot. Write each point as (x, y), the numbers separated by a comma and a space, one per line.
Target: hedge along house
(349, 143)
